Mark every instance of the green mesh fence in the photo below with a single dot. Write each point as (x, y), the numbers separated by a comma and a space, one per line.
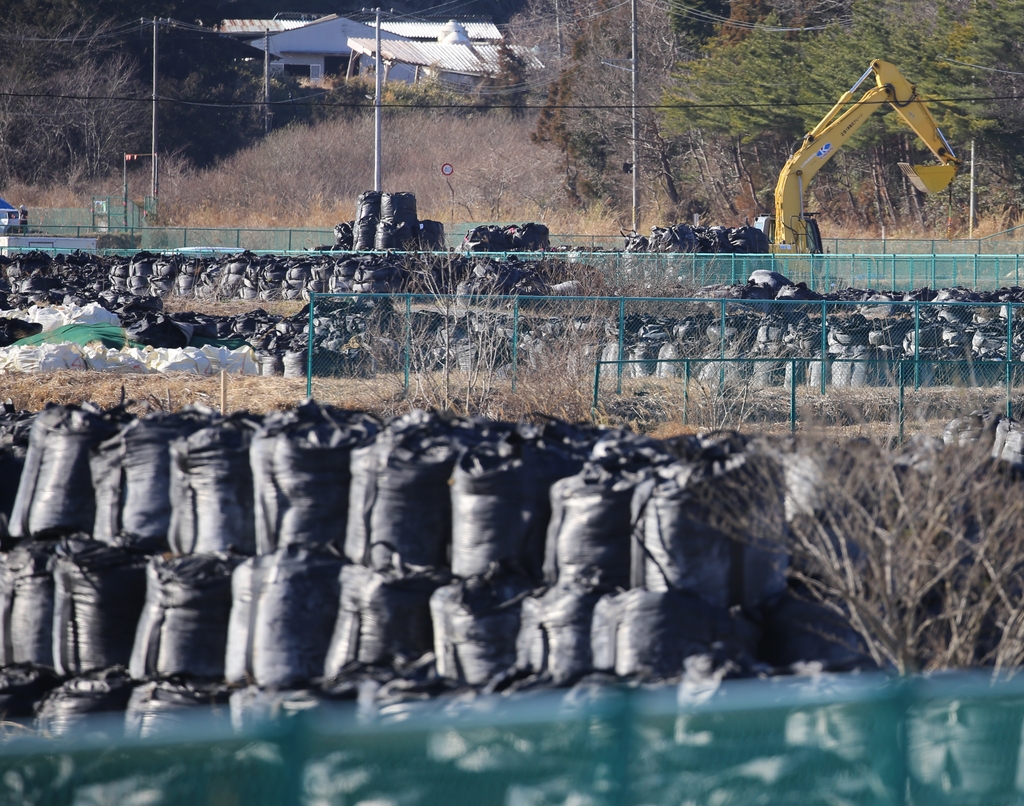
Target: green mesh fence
(898, 367)
(853, 739)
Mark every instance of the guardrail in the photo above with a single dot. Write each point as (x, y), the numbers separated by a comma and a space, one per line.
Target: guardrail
(701, 363)
(851, 739)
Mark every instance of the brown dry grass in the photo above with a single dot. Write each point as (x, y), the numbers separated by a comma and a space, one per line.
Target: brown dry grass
(171, 390)
(658, 407)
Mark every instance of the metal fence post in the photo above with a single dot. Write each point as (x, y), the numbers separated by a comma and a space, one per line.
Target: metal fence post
(792, 397)
(917, 346)
(597, 383)
(721, 341)
(309, 346)
(686, 391)
(900, 408)
(408, 338)
(933, 270)
(1009, 358)
(622, 342)
(515, 342)
(824, 345)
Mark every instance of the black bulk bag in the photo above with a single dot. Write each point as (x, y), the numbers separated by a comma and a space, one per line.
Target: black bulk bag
(590, 525)
(476, 622)
(165, 706)
(343, 235)
(99, 592)
(649, 634)
(26, 605)
(399, 500)
(131, 475)
(12, 462)
(383, 618)
(365, 234)
(361, 494)
(387, 236)
(530, 237)
(183, 628)
(369, 205)
(491, 507)
(211, 490)
(798, 630)
(554, 636)
(680, 544)
(22, 686)
(432, 236)
(300, 466)
(55, 495)
(73, 705)
(160, 331)
(550, 456)
(283, 611)
(399, 208)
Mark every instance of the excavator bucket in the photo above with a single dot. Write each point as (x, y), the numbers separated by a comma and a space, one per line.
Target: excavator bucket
(929, 178)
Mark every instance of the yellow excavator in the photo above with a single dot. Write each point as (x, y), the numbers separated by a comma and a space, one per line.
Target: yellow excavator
(792, 230)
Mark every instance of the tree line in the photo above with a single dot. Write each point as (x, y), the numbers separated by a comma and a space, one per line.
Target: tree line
(727, 90)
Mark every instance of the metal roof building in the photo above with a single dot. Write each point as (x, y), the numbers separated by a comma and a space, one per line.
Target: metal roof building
(455, 63)
(247, 28)
(458, 52)
(312, 48)
(413, 29)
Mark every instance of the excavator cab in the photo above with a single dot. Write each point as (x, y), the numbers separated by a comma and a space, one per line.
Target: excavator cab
(811, 234)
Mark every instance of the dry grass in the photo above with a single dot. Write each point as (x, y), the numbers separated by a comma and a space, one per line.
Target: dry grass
(661, 408)
(172, 390)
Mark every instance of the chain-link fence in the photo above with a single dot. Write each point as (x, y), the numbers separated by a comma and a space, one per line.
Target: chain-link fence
(79, 222)
(853, 739)
(699, 363)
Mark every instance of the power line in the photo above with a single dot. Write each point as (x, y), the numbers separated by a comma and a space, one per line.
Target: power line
(980, 67)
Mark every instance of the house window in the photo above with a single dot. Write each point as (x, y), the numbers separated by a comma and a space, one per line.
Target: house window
(316, 72)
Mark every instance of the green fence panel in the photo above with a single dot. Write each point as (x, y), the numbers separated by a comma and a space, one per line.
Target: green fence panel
(829, 739)
(704, 363)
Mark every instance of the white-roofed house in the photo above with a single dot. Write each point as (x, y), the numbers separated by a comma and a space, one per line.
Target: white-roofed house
(313, 48)
(453, 58)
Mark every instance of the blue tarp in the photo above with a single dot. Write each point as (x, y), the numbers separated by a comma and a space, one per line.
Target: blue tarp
(4, 205)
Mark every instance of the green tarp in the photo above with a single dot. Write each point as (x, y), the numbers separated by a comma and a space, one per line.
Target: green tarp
(111, 337)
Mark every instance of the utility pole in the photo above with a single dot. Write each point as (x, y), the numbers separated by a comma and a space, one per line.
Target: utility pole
(266, 81)
(635, 75)
(970, 214)
(376, 108)
(156, 169)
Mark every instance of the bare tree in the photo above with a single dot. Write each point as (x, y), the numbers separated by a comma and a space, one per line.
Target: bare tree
(66, 112)
(921, 552)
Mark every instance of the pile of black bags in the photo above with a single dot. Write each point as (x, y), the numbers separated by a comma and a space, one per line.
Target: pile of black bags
(317, 553)
(715, 239)
(531, 237)
(388, 222)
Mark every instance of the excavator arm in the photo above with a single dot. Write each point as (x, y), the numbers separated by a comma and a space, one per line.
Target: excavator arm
(794, 230)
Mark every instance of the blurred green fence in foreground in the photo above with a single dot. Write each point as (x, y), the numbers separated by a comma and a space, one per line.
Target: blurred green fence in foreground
(829, 740)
